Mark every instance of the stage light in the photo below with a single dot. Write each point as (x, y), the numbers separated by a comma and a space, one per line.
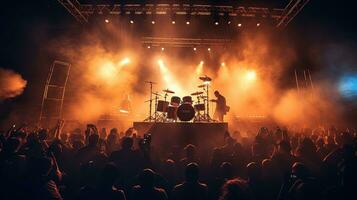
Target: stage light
(148, 46)
(201, 63)
(162, 49)
(258, 24)
(108, 71)
(131, 21)
(239, 25)
(194, 48)
(125, 61)
(223, 64)
(209, 49)
(199, 68)
(250, 75)
(153, 21)
(216, 23)
(160, 62)
(106, 20)
(229, 22)
(188, 22)
(347, 86)
(173, 22)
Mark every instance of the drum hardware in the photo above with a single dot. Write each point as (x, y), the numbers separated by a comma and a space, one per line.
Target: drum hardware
(206, 83)
(150, 117)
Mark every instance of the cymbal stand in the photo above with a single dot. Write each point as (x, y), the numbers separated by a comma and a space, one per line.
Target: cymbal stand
(162, 115)
(150, 117)
(207, 117)
(199, 117)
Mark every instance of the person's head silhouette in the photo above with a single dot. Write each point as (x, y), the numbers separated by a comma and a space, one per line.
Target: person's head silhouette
(192, 172)
(147, 178)
(93, 140)
(127, 143)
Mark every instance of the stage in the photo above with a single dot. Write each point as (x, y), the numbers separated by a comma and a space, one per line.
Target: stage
(167, 135)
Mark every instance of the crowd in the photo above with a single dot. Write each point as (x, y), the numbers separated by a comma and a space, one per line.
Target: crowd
(91, 164)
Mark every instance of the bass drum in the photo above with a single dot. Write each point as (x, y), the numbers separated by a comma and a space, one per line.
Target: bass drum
(185, 112)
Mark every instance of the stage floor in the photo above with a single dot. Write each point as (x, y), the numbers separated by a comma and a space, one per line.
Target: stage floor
(167, 135)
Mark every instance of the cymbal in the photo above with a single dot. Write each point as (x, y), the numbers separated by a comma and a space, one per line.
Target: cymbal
(202, 86)
(156, 94)
(205, 78)
(197, 93)
(150, 82)
(169, 91)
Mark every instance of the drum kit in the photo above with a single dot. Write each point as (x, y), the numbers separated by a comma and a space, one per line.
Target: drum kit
(178, 109)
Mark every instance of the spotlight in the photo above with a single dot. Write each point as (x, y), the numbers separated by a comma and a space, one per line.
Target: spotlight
(153, 21)
(239, 25)
(106, 20)
(223, 64)
(258, 24)
(250, 75)
(148, 46)
(160, 62)
(201, 62)
(162, 48)
(125, 61)
(188, 22)
(131, 21)
(209, 49)
(194, 48)
(216, 23)
(229, 22)
(173, 22)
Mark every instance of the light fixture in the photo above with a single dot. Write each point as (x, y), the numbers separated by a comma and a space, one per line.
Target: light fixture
(148, 46)
(229, 22)
(239, 25)
(209, 49)
(258, 24)
(216, 23)
(106, 20)
(173, 22)
(201, 62)
(194, 48)
(131, 21)
(223, 64)
(188, 22)
(162, 48)
(153, 21)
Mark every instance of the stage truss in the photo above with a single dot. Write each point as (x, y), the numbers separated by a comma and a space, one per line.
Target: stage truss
(282, 16)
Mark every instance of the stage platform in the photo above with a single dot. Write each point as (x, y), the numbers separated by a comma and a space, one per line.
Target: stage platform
(166, 135)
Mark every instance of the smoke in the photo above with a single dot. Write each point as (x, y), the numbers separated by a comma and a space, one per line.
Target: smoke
(11, 84)
(109, 66)
(308, 107)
